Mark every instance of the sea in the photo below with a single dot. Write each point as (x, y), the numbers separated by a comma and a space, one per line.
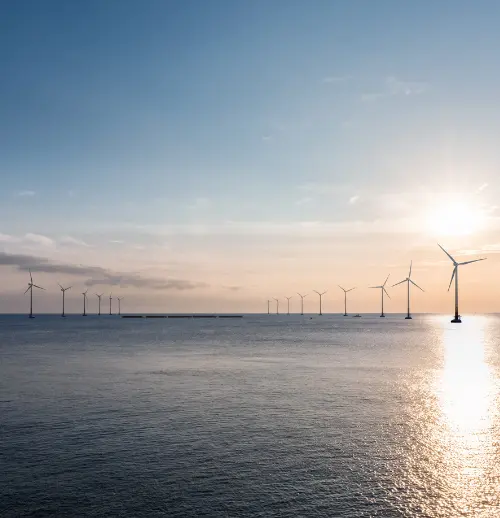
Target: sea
(263, 416)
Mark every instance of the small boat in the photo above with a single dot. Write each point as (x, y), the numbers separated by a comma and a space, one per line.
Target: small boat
(357, 315)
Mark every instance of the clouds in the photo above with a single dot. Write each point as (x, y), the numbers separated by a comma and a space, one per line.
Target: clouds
(95, 274)
(353, 199)
(26, 194)
(396, 87)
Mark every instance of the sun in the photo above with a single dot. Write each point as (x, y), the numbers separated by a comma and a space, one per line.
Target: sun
(455, 217)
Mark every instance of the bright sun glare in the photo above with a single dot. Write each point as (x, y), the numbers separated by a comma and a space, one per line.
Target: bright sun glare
(455, 218)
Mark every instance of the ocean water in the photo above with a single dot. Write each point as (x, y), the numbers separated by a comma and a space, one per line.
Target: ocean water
(265, 416)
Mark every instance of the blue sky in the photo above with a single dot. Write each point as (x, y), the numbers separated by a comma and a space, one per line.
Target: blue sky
(139, 135)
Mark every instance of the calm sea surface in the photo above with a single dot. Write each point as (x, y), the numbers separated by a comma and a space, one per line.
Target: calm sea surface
(263, 416)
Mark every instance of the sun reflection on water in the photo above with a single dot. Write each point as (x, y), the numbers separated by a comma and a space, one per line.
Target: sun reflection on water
(466, 392)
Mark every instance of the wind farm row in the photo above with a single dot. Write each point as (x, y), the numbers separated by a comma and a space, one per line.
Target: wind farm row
(408, 280)
(99, 296)
(382, 287)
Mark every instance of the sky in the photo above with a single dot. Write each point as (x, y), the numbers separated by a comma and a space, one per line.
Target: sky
(208, 156)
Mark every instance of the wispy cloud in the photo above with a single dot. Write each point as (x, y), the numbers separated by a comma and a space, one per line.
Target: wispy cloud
(200, 203)
(336, 79)
(96, 275)
(304, 201)
(38, 239)
(353, 199)
(68, 240)
(232, 288)
(26, 193)
(482, 187)
(397, 87)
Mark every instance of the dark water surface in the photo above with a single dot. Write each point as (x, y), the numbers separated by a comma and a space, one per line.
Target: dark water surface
(264, 416)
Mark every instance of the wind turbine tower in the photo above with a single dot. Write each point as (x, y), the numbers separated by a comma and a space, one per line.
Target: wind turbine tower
(345, 298)
(85, 302)
(119, 299)
(64, 290)
(320, 300)
(277, 306)
(408, 281)
(110, 299)
(456, 318)
(268, 311)
(30, 289)
(288, 305)
(302, 297)
(99, 297)
(383, 290)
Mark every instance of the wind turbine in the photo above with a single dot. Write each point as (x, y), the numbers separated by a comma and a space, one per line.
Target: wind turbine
(99, 297)
(84, 301)
(456, 319)
(64, 290)
(382, 289)
(30, 289)
(408, 280)
(302, 297)
(288, 305)
(320, 300)
(119, 299)
(345, 298)
(110, 299)
(277, 306)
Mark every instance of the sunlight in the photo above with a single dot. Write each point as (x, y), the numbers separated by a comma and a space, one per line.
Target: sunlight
(455, 217)
(466, 381)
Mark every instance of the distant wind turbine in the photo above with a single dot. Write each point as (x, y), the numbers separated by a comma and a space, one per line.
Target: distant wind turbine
(320, 300)
(99, 297)
(64, 290)
(84, 302)
(268, 302)
(119, 299)
(456, 319)
(30, 289)
(408, 281)
(382, 289)
(288, 305)
(302, 297)
(345, 298)
(110, 299)
(277, 306)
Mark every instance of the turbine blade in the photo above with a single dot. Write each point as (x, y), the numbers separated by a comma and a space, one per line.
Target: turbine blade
(60, 286)
(341, 287)
(409, 275)
(31, 276)
(452, 276)
(386, 280)
(398, 283)
(474, 261)
(375, 286)
(39, 287)
(415, 284)
(386, 292)
(29, 287)
(350, 290)
(446, 253)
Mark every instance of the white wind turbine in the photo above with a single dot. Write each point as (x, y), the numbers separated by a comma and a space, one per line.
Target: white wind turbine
(302, 297)
(30, 289)
(119, 299)
(277, 306)
(85, 302)
(345, 298)
(288, 305)
(320, 300)
(382, 289)
(408, 281)
(456, 319)
(110, 299)
(99, 297)
(64, 290)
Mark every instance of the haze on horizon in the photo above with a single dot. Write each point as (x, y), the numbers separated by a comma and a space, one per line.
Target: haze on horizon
(198, 156)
